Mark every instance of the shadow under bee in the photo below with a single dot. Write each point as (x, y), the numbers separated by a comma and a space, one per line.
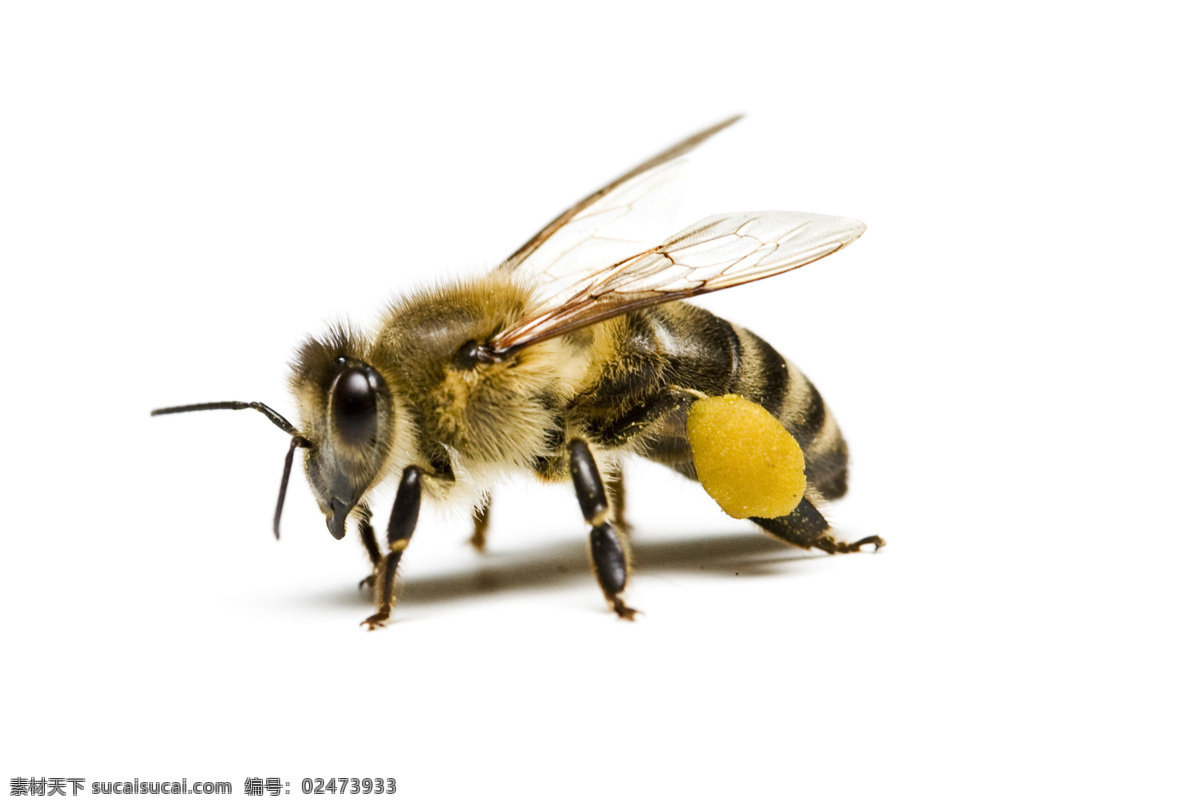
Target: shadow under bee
(564, 564)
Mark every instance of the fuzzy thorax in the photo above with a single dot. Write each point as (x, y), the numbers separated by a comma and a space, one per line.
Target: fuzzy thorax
(486, 413)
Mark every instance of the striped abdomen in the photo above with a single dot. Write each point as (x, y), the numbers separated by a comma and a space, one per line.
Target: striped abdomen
(681, 345)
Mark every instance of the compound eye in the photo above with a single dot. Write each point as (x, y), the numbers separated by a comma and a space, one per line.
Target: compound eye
(355, 412)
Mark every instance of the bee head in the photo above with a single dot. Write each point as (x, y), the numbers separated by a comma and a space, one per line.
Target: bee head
(347, 416)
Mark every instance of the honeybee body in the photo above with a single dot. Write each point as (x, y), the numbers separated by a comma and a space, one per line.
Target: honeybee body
(560, 362)
(469, 423)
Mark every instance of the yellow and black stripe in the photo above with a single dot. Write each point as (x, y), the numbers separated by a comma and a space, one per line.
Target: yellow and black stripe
(677, 347)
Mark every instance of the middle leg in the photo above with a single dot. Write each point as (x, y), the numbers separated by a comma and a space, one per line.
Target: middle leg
(617, 487)
(607, 552)
(479, 520)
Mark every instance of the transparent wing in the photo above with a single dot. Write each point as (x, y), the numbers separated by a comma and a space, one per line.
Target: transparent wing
(622, 218)
(718, 252)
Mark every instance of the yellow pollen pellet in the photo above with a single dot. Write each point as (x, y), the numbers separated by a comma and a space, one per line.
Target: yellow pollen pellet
(747, 462)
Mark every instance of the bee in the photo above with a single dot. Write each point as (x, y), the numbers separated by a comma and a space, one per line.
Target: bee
(563, 361)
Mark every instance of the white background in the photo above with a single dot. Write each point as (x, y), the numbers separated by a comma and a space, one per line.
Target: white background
(188, 190)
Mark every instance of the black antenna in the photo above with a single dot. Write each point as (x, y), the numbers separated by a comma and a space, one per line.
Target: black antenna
(276, 419)
(270, 413)
(297, 441)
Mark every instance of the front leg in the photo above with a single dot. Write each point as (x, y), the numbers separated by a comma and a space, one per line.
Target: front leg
(605, 549)
(367, 533)
(400, 529)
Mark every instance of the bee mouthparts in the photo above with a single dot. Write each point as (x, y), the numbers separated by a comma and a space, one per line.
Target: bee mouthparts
(336, 523)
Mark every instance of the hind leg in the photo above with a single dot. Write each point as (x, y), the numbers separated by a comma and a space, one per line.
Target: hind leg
(807, 528)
